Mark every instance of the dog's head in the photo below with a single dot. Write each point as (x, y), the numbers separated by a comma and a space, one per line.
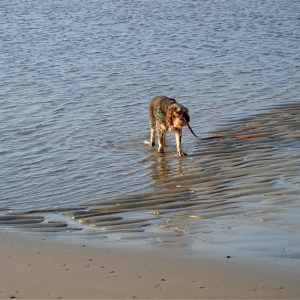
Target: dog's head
(177, 115)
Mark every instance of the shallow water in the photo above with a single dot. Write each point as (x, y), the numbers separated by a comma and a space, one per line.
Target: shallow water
(76, 79)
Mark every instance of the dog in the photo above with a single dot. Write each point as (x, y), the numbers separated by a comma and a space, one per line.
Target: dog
(167, 115)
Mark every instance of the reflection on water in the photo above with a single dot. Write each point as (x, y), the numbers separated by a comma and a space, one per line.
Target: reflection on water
(164, 168)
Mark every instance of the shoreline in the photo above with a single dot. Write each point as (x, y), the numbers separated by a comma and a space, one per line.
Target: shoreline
(36, 268)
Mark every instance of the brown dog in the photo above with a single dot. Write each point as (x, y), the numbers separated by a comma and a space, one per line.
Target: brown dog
(167, 115)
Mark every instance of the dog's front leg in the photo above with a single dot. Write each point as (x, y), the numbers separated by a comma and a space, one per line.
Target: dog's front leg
(178, 134)
(161, 140)
(152, 136)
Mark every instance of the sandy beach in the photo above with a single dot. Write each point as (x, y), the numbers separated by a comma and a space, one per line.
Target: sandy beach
(35, 268)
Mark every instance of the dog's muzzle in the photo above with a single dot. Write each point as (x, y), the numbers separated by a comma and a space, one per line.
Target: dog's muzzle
(181, 122)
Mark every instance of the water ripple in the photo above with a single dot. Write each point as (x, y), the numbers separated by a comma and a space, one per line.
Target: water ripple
(77, 76)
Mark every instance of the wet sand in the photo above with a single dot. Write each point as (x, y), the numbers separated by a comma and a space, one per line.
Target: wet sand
(34, 268)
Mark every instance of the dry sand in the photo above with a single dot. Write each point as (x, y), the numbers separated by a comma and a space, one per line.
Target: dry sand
(34, 268)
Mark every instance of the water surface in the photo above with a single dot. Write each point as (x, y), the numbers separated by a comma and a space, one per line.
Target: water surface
(76, 79)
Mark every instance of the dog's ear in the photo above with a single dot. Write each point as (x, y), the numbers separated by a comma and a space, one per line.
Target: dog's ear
(169, 115)
(186, 115)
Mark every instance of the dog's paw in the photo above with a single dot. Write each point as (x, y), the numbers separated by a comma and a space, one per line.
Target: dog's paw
(182, 153)
(149, 143)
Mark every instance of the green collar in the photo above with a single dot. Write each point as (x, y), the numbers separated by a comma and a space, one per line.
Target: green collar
(159, 113)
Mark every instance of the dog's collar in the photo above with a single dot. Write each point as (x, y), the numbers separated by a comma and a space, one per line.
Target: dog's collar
(159, 113)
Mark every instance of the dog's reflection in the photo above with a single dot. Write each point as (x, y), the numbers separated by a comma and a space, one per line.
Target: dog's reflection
(163, 169)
